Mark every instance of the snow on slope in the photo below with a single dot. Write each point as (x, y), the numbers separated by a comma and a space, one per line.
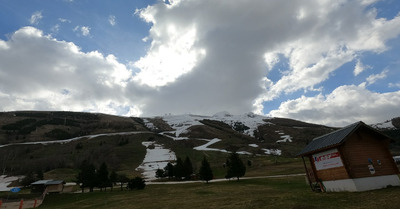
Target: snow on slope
(155, 158)
(5, 181)
(181, 123)
(384, 125)
(205, 147)
(284, 138)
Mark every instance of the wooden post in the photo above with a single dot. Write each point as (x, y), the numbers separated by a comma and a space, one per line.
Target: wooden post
(307, 174)
(34, 205)
(21, 203)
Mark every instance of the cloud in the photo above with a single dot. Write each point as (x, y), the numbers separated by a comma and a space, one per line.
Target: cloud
(394, 85)
(206, 55)
(63, 20)
(41, 73)
(85, 30)
(375, 77)
(36, 17)
(345, 105)
(55, 28)
(112, 20)
(359, 68)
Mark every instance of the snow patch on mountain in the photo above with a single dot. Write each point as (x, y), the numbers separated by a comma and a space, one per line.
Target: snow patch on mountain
(205, 147)
(384, 125)
(149, 124)
(253, 145)
(181, 123)
(272, 151)
(5, 181)
(284, 138)
(156, 157)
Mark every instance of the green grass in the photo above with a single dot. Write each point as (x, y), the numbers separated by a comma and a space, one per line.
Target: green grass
(289, 192)
(66, 174)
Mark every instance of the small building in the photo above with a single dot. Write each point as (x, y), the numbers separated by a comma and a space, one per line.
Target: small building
(50, 186)
(355, 158)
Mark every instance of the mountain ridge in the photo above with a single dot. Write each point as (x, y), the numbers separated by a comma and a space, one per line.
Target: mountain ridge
(118, 141)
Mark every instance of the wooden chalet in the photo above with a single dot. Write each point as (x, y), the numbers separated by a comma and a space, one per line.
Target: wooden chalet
(355, 158)
(50, 186)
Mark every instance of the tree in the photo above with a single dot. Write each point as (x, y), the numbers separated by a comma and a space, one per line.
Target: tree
(169, 170)
(179, 170)
(187, 168)
(28, 179)
(136, 183)
(39, 175)
(235, 165)
(113, 179)
(122, 178)
(87, 176)
(102, 175)
(160, 173)
(205, 172)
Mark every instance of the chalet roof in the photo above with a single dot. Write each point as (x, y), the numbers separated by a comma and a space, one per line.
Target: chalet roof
(333, 139)
(48, 182)
(40, 182)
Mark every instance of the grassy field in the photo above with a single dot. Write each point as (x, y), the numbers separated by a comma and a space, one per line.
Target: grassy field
(290, 192)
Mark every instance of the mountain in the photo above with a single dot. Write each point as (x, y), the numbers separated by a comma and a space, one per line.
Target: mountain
(50, 140)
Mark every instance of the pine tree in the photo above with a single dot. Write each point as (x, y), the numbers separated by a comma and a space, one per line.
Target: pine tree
(113, 179)
(169, 170)
(39, 175)
(87, 176)
(160, 173)
(122, 178)
(179, 170)
(103, 180)
(235, 165)
(205, 172)
(187, 167)
(28, 179)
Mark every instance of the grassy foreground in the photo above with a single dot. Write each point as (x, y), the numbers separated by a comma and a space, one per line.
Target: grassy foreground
(291, 192)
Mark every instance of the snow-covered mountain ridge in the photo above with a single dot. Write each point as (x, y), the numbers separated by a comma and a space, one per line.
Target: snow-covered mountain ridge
(181, 123)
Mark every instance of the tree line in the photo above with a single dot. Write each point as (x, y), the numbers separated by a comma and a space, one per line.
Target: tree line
(90, 177)
(183, 170)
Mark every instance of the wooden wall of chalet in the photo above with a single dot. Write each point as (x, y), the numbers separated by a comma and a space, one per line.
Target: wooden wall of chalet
(55, 188)
(365, 144)
(331, 173)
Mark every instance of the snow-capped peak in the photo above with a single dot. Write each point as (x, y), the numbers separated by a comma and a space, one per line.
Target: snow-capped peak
(384, 125)
(223, 114)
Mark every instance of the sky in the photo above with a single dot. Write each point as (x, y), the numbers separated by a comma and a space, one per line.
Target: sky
(328, 62)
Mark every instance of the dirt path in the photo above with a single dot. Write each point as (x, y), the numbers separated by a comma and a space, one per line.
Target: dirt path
(219, 180)
(76, 138)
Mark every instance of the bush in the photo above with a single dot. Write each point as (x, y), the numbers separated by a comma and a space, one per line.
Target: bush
(136, 183)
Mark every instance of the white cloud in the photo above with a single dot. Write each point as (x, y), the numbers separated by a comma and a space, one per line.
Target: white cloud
(345, 105)
(240, 46)
(375, 77)
(85, 30)
(36, 17)
(63, 20)
(206, 56)
(39, 72)
(359, 68)
(55, 28)
(394, 85)
(112, 20)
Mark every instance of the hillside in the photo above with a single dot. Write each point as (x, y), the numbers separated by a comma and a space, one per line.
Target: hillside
(62, 140)
(24, 126)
